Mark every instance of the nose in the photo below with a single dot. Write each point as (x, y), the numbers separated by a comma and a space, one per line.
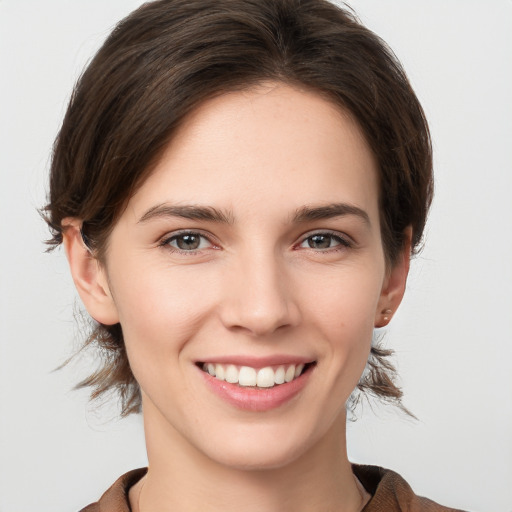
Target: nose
(259, 297)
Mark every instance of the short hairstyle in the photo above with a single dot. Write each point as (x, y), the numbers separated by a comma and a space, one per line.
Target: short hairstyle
(169, 56)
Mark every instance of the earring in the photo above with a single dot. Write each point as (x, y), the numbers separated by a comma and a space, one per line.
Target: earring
(386, 314)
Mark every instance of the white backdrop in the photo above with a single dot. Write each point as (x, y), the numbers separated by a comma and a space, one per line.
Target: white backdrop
(452, 335)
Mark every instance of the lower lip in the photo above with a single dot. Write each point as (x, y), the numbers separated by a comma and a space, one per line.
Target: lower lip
(251, 399)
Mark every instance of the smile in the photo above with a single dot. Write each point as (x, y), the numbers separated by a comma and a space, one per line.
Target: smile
(247, 376)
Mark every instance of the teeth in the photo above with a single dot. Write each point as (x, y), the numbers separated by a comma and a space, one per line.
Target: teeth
(265, 378)
(289, 374)
(298, 370)
(279, 375)
(219, 372)
(246, 376)
(232, 374)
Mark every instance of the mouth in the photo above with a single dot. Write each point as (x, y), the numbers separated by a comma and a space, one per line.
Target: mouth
(256, 378)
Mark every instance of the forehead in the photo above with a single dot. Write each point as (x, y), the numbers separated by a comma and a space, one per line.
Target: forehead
(273, 144)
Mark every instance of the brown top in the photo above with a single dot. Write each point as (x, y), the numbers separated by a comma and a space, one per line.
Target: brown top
(390, 493)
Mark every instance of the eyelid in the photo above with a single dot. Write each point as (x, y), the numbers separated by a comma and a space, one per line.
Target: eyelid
(165, 240)
(346, 242)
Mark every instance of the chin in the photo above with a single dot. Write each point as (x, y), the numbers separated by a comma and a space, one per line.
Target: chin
(257, 457)
(261, 448)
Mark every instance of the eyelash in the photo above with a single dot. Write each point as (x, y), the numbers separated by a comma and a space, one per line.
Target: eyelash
(166, 242)
(343, 242)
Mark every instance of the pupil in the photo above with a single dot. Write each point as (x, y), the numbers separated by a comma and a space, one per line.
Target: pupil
(188, 242)
(319, 242)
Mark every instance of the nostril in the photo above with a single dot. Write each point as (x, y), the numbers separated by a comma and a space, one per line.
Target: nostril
(258, 300)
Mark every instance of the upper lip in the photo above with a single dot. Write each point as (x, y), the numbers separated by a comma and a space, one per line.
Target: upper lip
(256, 361)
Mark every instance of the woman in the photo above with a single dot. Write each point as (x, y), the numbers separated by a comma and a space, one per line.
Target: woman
(239, 188)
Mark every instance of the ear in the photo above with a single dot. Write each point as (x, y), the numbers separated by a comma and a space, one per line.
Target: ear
(88, 275)
(393, 288)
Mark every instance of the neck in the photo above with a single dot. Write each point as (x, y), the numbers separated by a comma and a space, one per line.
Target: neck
(180, 477)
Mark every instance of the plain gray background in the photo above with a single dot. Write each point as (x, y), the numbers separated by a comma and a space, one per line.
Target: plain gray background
(452, 334)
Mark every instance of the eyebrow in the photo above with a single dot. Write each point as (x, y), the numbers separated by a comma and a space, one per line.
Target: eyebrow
(187, 212)
(209, 213)
(312, 213)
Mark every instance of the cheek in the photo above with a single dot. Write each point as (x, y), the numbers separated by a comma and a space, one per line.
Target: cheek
(345, 300)
(342, 311)
(157, 295)
(159, 311)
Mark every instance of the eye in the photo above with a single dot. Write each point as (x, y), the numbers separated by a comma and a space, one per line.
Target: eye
(187, 242)
(323, 241)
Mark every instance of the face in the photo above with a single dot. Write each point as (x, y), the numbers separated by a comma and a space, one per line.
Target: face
(248, 274)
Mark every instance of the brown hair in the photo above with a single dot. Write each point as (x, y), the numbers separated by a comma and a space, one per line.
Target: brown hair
(169, 56)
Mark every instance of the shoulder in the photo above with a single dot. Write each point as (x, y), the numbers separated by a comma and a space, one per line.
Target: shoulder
(390, 492)
(115, 499)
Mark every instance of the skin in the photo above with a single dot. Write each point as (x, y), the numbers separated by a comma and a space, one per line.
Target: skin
(254, 287)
